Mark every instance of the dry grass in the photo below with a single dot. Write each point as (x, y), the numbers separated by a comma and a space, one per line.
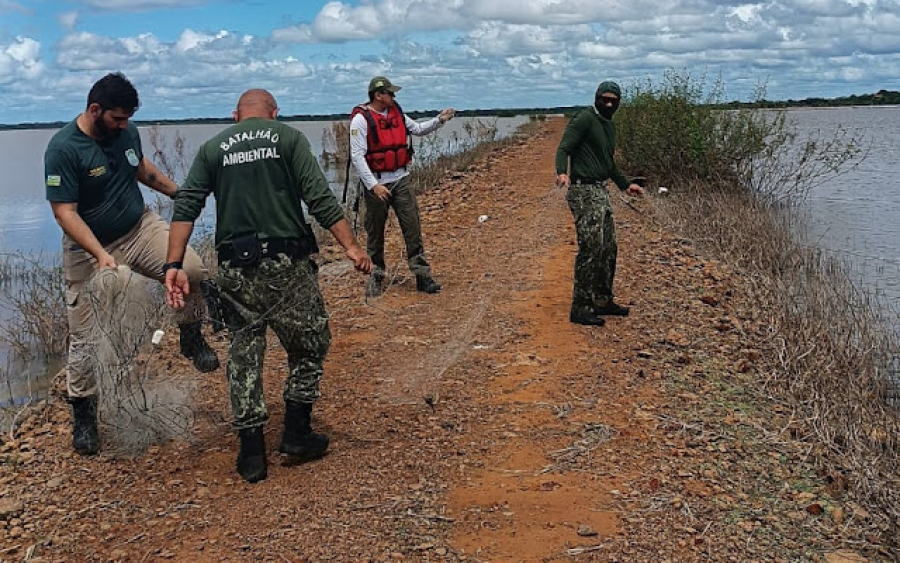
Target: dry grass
(336, 147)
(36, 309)
(437, 157)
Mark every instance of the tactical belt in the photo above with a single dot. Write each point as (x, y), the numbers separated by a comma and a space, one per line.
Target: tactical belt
(246, 252)
(583, 182)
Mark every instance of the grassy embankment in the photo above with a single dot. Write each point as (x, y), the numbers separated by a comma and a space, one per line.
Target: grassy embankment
(827, 353)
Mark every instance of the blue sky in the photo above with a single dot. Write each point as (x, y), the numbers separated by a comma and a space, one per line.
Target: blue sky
(192, 58)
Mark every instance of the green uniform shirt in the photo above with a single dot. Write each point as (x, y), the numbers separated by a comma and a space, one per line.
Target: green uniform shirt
(101, 177)
(590, 141)
(259, 170)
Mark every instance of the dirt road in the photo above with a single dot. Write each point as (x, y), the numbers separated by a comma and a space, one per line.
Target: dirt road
(477, 424)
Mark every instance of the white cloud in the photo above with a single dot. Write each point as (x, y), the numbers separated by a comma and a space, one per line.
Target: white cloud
(20, 60)
(339, 22)
(555, 50)
(542, 12)
(191, 39)
(203, 71)
(746, 13)
(495, 39)
(601, 51)
(10, 6)
(86, 51)
(68, 20)
(822, 7)
(335, 22)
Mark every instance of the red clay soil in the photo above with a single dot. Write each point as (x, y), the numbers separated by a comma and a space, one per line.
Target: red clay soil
(477, 424)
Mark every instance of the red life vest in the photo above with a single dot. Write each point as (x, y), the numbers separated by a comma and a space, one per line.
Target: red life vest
(388, 139)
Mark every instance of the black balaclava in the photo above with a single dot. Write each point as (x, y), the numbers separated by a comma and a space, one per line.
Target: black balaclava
(607, 87)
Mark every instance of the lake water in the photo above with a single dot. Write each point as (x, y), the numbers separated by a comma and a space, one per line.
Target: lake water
(28, 226)
(855, 216)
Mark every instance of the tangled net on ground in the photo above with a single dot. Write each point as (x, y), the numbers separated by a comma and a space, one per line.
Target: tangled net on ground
(139, 405)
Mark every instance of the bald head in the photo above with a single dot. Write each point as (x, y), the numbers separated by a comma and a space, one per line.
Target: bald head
(256, 103)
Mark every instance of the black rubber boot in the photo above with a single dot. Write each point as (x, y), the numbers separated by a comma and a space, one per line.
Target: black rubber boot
(251, 460)
(427, 284)
(210, 292)
(194, 347)
(585, 316)
(375, 285)
(85, 437)
(613, 309)
(299, 442)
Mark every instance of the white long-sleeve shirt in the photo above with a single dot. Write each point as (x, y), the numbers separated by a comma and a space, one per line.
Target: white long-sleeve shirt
(359, 128)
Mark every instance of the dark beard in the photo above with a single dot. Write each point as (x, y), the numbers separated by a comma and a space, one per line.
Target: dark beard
(103, 133)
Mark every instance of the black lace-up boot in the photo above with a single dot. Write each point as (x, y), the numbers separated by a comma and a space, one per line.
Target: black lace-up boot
(613, 309)
(299, 442)
(85, 437)
(426, 284)
(194, 347)
(251, 460)
(585, 316)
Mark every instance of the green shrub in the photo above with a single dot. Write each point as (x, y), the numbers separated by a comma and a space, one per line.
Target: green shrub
(677, 133)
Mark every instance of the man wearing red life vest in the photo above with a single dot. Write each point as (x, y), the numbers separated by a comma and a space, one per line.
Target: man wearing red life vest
(381, 153)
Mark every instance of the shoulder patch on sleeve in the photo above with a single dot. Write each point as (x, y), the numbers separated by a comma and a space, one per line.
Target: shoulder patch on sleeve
(53, 181)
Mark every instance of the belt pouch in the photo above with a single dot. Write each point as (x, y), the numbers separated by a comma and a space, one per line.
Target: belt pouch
(247, 251)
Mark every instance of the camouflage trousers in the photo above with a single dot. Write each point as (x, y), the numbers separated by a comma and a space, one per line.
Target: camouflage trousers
(595, 265)
(283, 294)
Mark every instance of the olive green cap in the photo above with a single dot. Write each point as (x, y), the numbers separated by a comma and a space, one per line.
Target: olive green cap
(382, 83)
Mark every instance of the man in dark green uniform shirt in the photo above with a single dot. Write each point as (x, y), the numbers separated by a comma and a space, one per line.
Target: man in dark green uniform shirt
(93, 166)
(585, 161)
(260, 171)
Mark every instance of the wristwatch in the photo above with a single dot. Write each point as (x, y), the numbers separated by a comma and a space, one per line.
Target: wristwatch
(172, 265)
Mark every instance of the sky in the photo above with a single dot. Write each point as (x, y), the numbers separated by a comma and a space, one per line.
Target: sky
(193, 58)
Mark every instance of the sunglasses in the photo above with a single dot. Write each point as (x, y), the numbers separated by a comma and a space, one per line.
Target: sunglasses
(609, 100)
(389, 93)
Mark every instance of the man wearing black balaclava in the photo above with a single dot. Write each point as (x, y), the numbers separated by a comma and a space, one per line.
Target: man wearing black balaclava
(584, 163)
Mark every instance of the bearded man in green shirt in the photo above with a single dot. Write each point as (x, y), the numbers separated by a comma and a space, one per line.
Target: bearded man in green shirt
(261, 171)
(93, 166)
(585, 161)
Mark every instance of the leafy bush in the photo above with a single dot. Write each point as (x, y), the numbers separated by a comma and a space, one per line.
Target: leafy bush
(676, 132)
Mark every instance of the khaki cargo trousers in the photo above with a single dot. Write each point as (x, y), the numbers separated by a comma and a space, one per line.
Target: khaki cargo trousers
(94, 298)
